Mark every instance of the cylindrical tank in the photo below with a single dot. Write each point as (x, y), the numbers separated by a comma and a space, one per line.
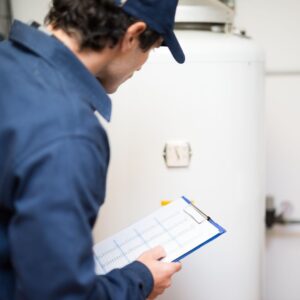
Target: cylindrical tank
(215, 102)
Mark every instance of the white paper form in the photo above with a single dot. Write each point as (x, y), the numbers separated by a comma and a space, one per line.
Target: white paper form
(177, 227)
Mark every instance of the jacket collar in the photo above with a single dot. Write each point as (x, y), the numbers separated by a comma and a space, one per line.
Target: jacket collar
(63, 59)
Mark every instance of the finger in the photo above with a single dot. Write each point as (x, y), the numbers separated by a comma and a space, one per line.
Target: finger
(158, 252)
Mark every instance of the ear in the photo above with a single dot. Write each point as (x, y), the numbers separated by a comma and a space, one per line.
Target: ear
(131, 36)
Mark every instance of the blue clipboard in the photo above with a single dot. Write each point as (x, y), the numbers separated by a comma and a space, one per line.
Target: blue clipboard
(220, 229)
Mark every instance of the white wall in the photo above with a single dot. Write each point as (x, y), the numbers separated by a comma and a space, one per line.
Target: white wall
(275, 24)
(26, 10)
(283, 173)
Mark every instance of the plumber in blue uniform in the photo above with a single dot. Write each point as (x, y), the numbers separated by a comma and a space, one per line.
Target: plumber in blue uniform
(54, 154)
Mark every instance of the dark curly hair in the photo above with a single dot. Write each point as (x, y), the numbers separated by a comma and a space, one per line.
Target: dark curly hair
(95, 23)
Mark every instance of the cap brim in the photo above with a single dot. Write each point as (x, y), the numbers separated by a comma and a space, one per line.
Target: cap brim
(172, 43)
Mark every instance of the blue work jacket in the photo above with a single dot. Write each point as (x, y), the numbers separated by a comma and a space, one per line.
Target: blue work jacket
(54, 156)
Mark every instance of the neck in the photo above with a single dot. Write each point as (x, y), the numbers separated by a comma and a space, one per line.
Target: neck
(94, 61)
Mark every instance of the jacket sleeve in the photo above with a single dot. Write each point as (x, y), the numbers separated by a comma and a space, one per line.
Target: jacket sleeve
(56, 202)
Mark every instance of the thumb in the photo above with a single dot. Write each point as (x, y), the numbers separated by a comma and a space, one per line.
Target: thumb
(158, 252)
(173, 267)
(176, 266)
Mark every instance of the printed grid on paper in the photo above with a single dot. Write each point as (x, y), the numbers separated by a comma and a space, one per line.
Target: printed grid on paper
(169, 227)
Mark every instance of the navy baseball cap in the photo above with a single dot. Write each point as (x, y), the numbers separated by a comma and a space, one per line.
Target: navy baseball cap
(159, 15)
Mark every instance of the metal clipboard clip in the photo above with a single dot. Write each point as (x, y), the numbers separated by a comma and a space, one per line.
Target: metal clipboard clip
(195, 213)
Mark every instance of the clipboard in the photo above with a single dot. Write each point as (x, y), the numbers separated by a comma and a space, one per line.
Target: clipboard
(220, 229)
(180, 227)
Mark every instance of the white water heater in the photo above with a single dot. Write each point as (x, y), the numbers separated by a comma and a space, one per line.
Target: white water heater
(197, 130)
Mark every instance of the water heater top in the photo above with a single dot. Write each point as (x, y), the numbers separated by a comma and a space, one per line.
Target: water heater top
(205, 11)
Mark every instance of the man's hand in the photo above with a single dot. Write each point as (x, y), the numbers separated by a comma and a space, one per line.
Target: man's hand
(162, 272)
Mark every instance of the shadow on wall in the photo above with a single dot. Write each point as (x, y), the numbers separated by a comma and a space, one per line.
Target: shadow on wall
(282, 234)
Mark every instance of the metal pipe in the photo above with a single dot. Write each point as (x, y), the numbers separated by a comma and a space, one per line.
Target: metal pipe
(280, 73)
(273, 218)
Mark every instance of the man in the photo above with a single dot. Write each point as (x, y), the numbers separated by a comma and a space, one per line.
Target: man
(54, 153)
